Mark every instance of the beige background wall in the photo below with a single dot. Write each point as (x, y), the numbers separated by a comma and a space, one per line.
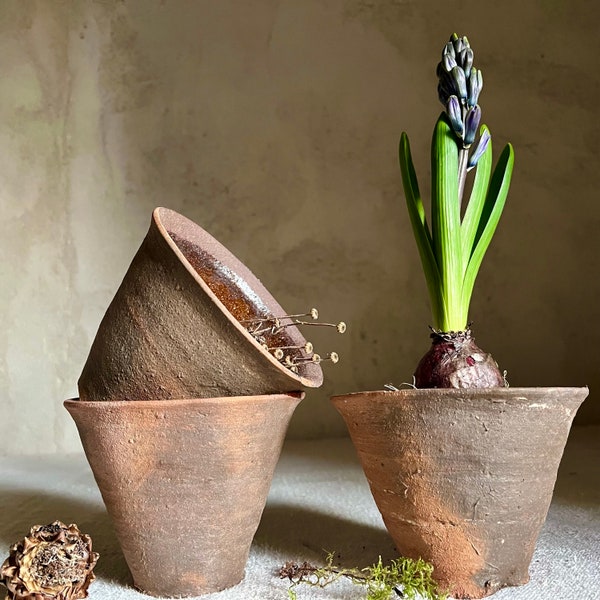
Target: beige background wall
(274, 124)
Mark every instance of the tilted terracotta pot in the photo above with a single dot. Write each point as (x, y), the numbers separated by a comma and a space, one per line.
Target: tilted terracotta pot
(184, 482)
(173, 328)
(463, 478)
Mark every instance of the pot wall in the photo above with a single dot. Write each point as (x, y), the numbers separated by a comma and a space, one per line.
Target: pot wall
(184, 482)
(463, 478)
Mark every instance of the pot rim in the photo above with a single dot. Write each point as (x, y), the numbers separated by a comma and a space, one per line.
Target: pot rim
(179, 402)
(253, 282)
(495, 392)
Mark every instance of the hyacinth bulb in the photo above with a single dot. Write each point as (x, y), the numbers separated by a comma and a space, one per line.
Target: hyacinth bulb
(455, 361)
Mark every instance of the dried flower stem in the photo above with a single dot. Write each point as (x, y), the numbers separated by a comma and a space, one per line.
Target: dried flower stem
(289, 355)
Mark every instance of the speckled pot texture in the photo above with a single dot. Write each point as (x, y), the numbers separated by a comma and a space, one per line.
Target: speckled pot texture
(174, 328)
(463, 478)
(185, 482)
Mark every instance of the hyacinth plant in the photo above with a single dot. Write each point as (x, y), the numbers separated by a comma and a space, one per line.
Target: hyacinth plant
(452, 249)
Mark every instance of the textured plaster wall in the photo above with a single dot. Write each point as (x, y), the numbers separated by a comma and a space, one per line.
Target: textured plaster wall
(274, 124)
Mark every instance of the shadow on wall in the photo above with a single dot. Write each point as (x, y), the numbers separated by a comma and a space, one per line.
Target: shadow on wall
(285, 155)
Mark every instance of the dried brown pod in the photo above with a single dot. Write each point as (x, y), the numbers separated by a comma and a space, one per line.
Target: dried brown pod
(54, 562)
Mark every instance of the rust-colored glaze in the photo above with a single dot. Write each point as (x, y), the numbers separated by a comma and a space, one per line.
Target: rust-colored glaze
(463, 478)
(173, 330)
(184, 482)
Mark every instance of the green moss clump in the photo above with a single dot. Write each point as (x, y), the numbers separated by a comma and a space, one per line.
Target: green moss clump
(402, 578)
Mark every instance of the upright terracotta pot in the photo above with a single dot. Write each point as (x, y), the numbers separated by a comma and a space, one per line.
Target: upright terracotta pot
(184, 482)
(174, 328)
(463, 478)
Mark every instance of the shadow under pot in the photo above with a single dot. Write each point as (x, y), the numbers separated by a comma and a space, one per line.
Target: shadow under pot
(463, 478)
(180, 326)
(185, 482)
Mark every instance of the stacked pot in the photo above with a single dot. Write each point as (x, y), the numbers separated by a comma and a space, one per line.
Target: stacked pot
(182, 411)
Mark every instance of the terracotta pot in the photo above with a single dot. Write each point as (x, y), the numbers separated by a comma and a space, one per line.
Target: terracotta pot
(173, 328)
(463, 478)
(184, 482)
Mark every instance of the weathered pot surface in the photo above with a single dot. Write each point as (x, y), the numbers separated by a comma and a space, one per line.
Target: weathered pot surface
(185, 482)
(463, 478)
(173, 329)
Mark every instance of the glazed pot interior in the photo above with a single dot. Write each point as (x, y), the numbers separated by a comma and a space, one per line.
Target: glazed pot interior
(239, 291)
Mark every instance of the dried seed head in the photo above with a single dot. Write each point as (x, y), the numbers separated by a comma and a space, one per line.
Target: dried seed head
(341, 326)
(54, 562)
(308, 347)
(313, 313)
(269, 329)
(300, 360)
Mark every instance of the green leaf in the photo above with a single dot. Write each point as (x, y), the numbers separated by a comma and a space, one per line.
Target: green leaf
(420, 228)
(490, 215)
(445, 222)
(470, 222)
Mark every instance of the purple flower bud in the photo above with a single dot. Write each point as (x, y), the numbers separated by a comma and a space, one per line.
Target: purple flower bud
(449, 47)
(471, 124)
(475, 85)
(481, 147)
(449, 62)
(460, 82)
(467, 62)
(455, 115)
(458, 45)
